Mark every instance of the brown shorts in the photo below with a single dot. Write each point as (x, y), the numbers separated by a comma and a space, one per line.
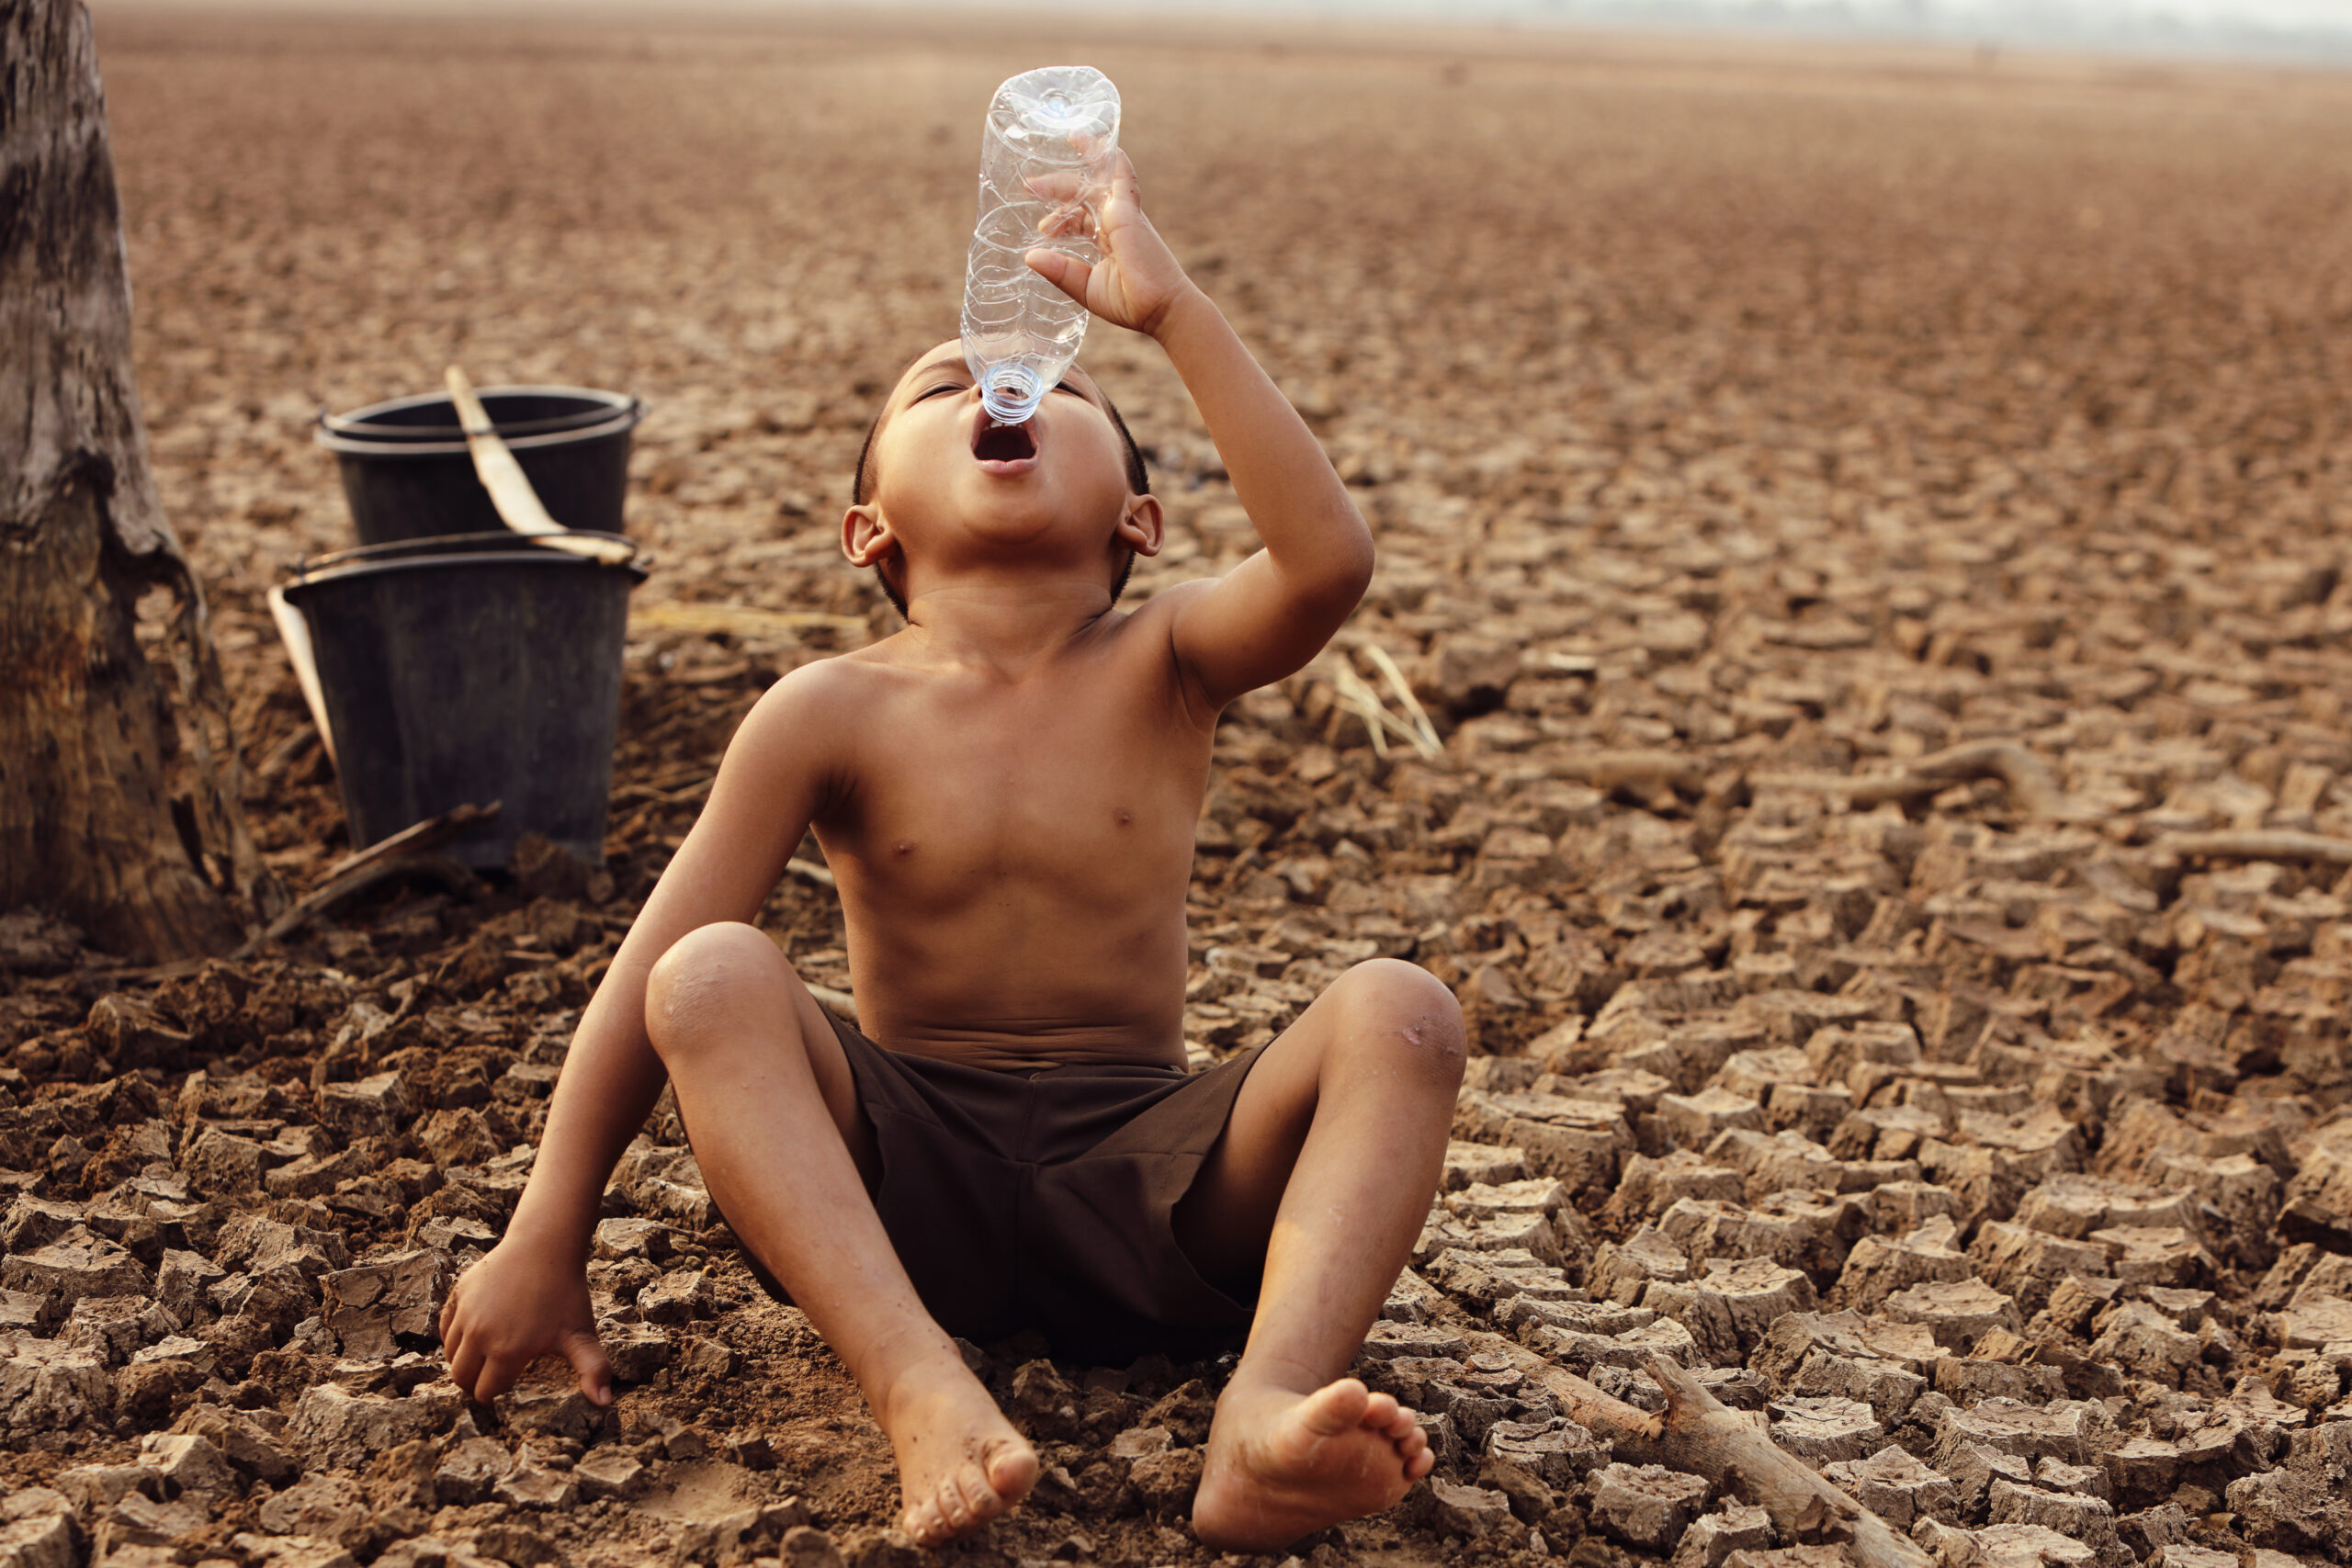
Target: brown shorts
(1043, 1199)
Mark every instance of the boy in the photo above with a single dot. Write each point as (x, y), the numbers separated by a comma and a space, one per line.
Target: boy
(1006, 791)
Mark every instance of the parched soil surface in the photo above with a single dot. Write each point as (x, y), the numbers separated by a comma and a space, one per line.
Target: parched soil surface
(1864, 537)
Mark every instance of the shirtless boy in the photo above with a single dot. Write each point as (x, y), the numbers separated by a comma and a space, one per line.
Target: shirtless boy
(1006, 790)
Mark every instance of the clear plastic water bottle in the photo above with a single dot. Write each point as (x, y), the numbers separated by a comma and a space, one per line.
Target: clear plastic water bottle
(1044, 155)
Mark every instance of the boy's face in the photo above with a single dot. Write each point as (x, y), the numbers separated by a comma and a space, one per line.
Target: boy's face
(950, 486)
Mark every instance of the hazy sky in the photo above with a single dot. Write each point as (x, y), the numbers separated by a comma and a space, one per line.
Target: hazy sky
(2320, 31)
(2315, 33)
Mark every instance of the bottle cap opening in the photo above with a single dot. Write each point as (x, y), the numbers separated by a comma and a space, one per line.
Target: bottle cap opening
(1011, 393)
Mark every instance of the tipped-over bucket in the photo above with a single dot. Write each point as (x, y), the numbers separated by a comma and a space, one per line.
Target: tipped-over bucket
(407, 474)
(470, 668)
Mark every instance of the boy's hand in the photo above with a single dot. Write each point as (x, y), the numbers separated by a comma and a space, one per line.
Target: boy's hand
(514, 1306)
(1138, 281)
(1270, 614)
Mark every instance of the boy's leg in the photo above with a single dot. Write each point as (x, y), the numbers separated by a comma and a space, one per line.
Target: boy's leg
(1325, 1172)
(768, 1097)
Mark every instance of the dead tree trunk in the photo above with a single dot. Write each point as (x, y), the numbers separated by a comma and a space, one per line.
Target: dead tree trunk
(119, 799)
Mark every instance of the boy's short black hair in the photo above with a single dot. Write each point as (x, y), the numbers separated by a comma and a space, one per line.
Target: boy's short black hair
(1138, 480)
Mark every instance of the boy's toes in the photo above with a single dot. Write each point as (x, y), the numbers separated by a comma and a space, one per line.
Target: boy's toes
(976, 1500)
(965, 1500)
(1333, 1408)
(1012, 1471)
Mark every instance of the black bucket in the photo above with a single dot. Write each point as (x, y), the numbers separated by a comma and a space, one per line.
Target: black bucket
(465, 670)
(407, 474)
(514, 411)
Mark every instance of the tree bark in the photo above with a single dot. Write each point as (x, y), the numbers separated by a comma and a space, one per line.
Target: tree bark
(119, 804)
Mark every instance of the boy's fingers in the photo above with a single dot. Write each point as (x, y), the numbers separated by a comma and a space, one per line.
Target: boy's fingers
(1068, 221)
(498, 1375)
(1065, 273)
(464, 1363)
(1057, 185)
(586, 1354)
(1124, 186)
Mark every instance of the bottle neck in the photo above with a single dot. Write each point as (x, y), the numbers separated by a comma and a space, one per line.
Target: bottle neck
(1011, 393)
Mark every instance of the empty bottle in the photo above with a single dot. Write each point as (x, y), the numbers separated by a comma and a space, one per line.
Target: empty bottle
(1044, 155)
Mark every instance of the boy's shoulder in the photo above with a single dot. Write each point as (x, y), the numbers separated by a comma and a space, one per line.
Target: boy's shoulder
(1152, 620)
(846, 686)
(808, 701)
(1175, 596)
(856, 685)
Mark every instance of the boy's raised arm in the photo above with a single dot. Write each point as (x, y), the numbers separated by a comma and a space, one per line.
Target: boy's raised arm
(530, 1295)
(1274, 613)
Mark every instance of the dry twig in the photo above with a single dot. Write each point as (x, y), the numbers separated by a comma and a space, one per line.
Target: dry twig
(417, 838)
(1357, 696)
(1427, 743)
(2271, 844)
(2032, 784)
(439, 867)
(408, 850)
(1700, 1434)
(1650, 770)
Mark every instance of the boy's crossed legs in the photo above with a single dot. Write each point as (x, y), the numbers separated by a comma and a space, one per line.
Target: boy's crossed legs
(1325, 1173)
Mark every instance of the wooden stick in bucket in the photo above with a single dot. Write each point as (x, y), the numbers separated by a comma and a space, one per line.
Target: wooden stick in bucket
(294, 632)
(518, 505)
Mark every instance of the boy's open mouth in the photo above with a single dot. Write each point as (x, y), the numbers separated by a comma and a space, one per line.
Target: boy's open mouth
(1005, 445)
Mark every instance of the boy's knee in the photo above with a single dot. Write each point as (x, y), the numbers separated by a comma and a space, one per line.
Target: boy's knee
(1411, 1014)
(690, 983)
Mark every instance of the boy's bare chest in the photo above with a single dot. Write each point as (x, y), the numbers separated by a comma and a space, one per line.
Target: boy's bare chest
(1058, 780)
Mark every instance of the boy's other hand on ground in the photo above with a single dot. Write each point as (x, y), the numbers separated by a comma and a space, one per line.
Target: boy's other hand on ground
(1138, 281)
(513, 1307)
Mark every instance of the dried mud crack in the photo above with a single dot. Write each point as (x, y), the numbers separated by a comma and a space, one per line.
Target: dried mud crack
(1854, 701)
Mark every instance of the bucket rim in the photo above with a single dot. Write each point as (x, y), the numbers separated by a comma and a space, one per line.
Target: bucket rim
(622, 422)
(357, 423)
(436, 550)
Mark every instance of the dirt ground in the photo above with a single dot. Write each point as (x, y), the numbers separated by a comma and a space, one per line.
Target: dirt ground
(1863, 534)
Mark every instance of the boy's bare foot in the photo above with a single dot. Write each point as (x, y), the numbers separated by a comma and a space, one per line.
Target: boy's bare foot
(960, 1462)
(1283, 1464)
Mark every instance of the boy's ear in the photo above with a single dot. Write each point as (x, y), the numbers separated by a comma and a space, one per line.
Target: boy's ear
(1141, 528)
(866, 536)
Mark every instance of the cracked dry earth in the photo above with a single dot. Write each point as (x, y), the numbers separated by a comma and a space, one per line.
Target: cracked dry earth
(1867, 536)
